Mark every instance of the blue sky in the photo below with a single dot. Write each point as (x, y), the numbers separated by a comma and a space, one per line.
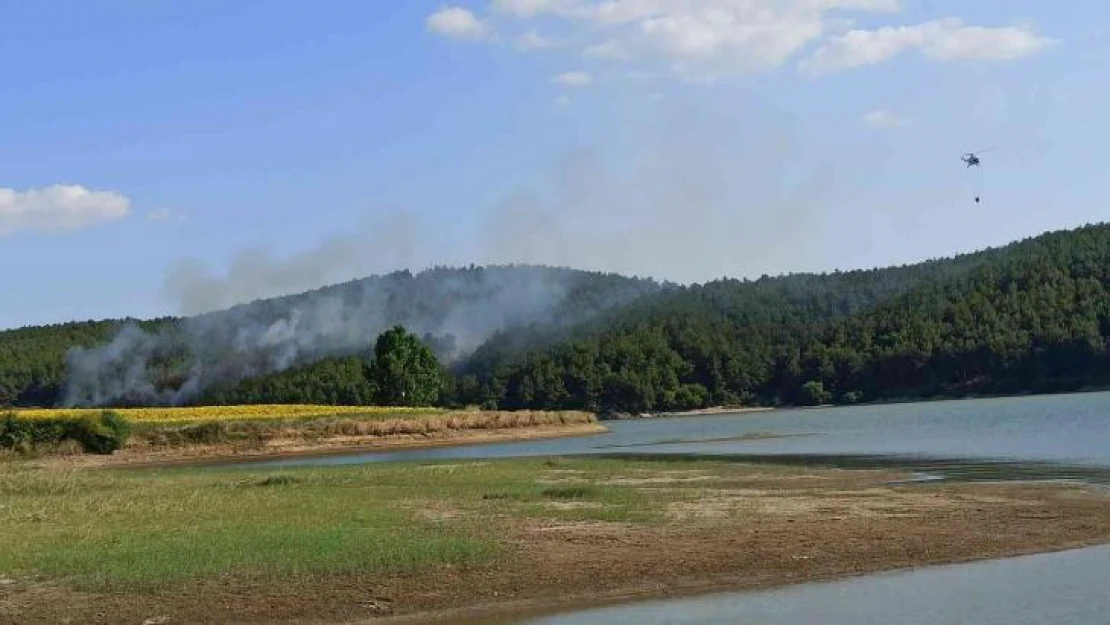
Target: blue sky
(160, 158)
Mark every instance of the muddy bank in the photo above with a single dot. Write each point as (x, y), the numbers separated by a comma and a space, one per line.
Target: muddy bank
(798, 540)
(632, 530)
(142, 455)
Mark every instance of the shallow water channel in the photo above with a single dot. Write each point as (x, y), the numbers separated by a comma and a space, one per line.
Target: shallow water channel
(1062, 437)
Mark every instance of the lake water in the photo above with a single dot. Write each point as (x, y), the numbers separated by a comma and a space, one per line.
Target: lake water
(1045, 589)
(1061, 436)
(1073, 429)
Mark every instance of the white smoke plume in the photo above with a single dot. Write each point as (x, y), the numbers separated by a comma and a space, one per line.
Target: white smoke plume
(465, 307)
(684, 211)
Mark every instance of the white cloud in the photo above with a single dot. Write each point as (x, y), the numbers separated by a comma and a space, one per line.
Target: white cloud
(58, 208)
(946, 40)
(712, 38)
(573, 79)
(164, 214)
(532, 40)
(563, 101)
(883, 119)
(611, 49)
(533, 8)
(458, 23)
(985, 44)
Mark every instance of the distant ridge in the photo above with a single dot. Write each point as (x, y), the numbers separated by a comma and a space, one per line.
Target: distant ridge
(1029, 316)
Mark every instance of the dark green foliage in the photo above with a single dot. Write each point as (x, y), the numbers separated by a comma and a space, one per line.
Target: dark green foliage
(405, 371)
(544, 303)
(584, 491)
(851, 397)
(1031, 316)
(813, 393)
(103, 433)
(277, 480)
(331, 381)
(402, 371)
(32, 359)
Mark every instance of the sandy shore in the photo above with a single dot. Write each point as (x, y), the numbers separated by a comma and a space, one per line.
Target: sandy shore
(724, 526)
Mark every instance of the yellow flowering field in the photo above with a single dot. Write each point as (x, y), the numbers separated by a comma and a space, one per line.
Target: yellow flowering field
(232, 413)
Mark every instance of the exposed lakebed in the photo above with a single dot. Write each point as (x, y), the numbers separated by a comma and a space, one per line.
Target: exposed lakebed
(1061, 437)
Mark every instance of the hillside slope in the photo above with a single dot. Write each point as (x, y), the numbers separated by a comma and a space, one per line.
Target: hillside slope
(1030, 316)
(1033, 315)
(175, 361)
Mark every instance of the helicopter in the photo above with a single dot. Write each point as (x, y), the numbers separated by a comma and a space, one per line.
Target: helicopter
(972, 160)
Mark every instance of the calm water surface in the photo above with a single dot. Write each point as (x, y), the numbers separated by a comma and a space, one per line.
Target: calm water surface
(1060, 428)
(1069, 434)
(1047, 589)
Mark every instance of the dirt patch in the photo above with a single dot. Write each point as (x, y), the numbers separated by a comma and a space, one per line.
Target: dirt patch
(450, 466)
(435, 511)
(660, 479)
(764, 532)
(571, 505)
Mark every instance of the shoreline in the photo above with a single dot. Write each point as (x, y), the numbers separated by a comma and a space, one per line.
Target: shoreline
(891, 401)
(225, 455)
(699, 412)
(493, 614)
(678, 587)
(571, 533)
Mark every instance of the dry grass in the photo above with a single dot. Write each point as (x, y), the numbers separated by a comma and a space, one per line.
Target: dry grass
(347, 429)
(163, 434)
(431, 424)
(202, 414)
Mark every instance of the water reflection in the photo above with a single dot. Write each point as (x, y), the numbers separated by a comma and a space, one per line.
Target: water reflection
(1060, 428)
(1046, 589)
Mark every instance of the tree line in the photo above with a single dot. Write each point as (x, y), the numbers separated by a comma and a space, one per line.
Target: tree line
(1032, 316)
(451, 307)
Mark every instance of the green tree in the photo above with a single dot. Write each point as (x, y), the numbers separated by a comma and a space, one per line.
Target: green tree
(813, 393)
(405, 371)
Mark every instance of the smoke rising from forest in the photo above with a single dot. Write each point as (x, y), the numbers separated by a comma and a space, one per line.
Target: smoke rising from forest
(683, 211)
(459, 309)
(387, 243)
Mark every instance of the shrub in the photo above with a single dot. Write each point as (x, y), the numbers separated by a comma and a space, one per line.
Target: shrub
(208, 433)
(814, 393)
(570, 492)
(852, 397)
(101, 434)
(277, 480)
(14, 433)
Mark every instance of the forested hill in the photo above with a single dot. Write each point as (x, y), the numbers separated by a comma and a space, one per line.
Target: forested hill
(176, 360)
(1031, 316)
(32, 359)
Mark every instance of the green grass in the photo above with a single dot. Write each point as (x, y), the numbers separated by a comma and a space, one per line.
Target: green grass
(147, 529)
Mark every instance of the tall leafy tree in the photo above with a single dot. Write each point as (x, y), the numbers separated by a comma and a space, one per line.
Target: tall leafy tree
(405, 370)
